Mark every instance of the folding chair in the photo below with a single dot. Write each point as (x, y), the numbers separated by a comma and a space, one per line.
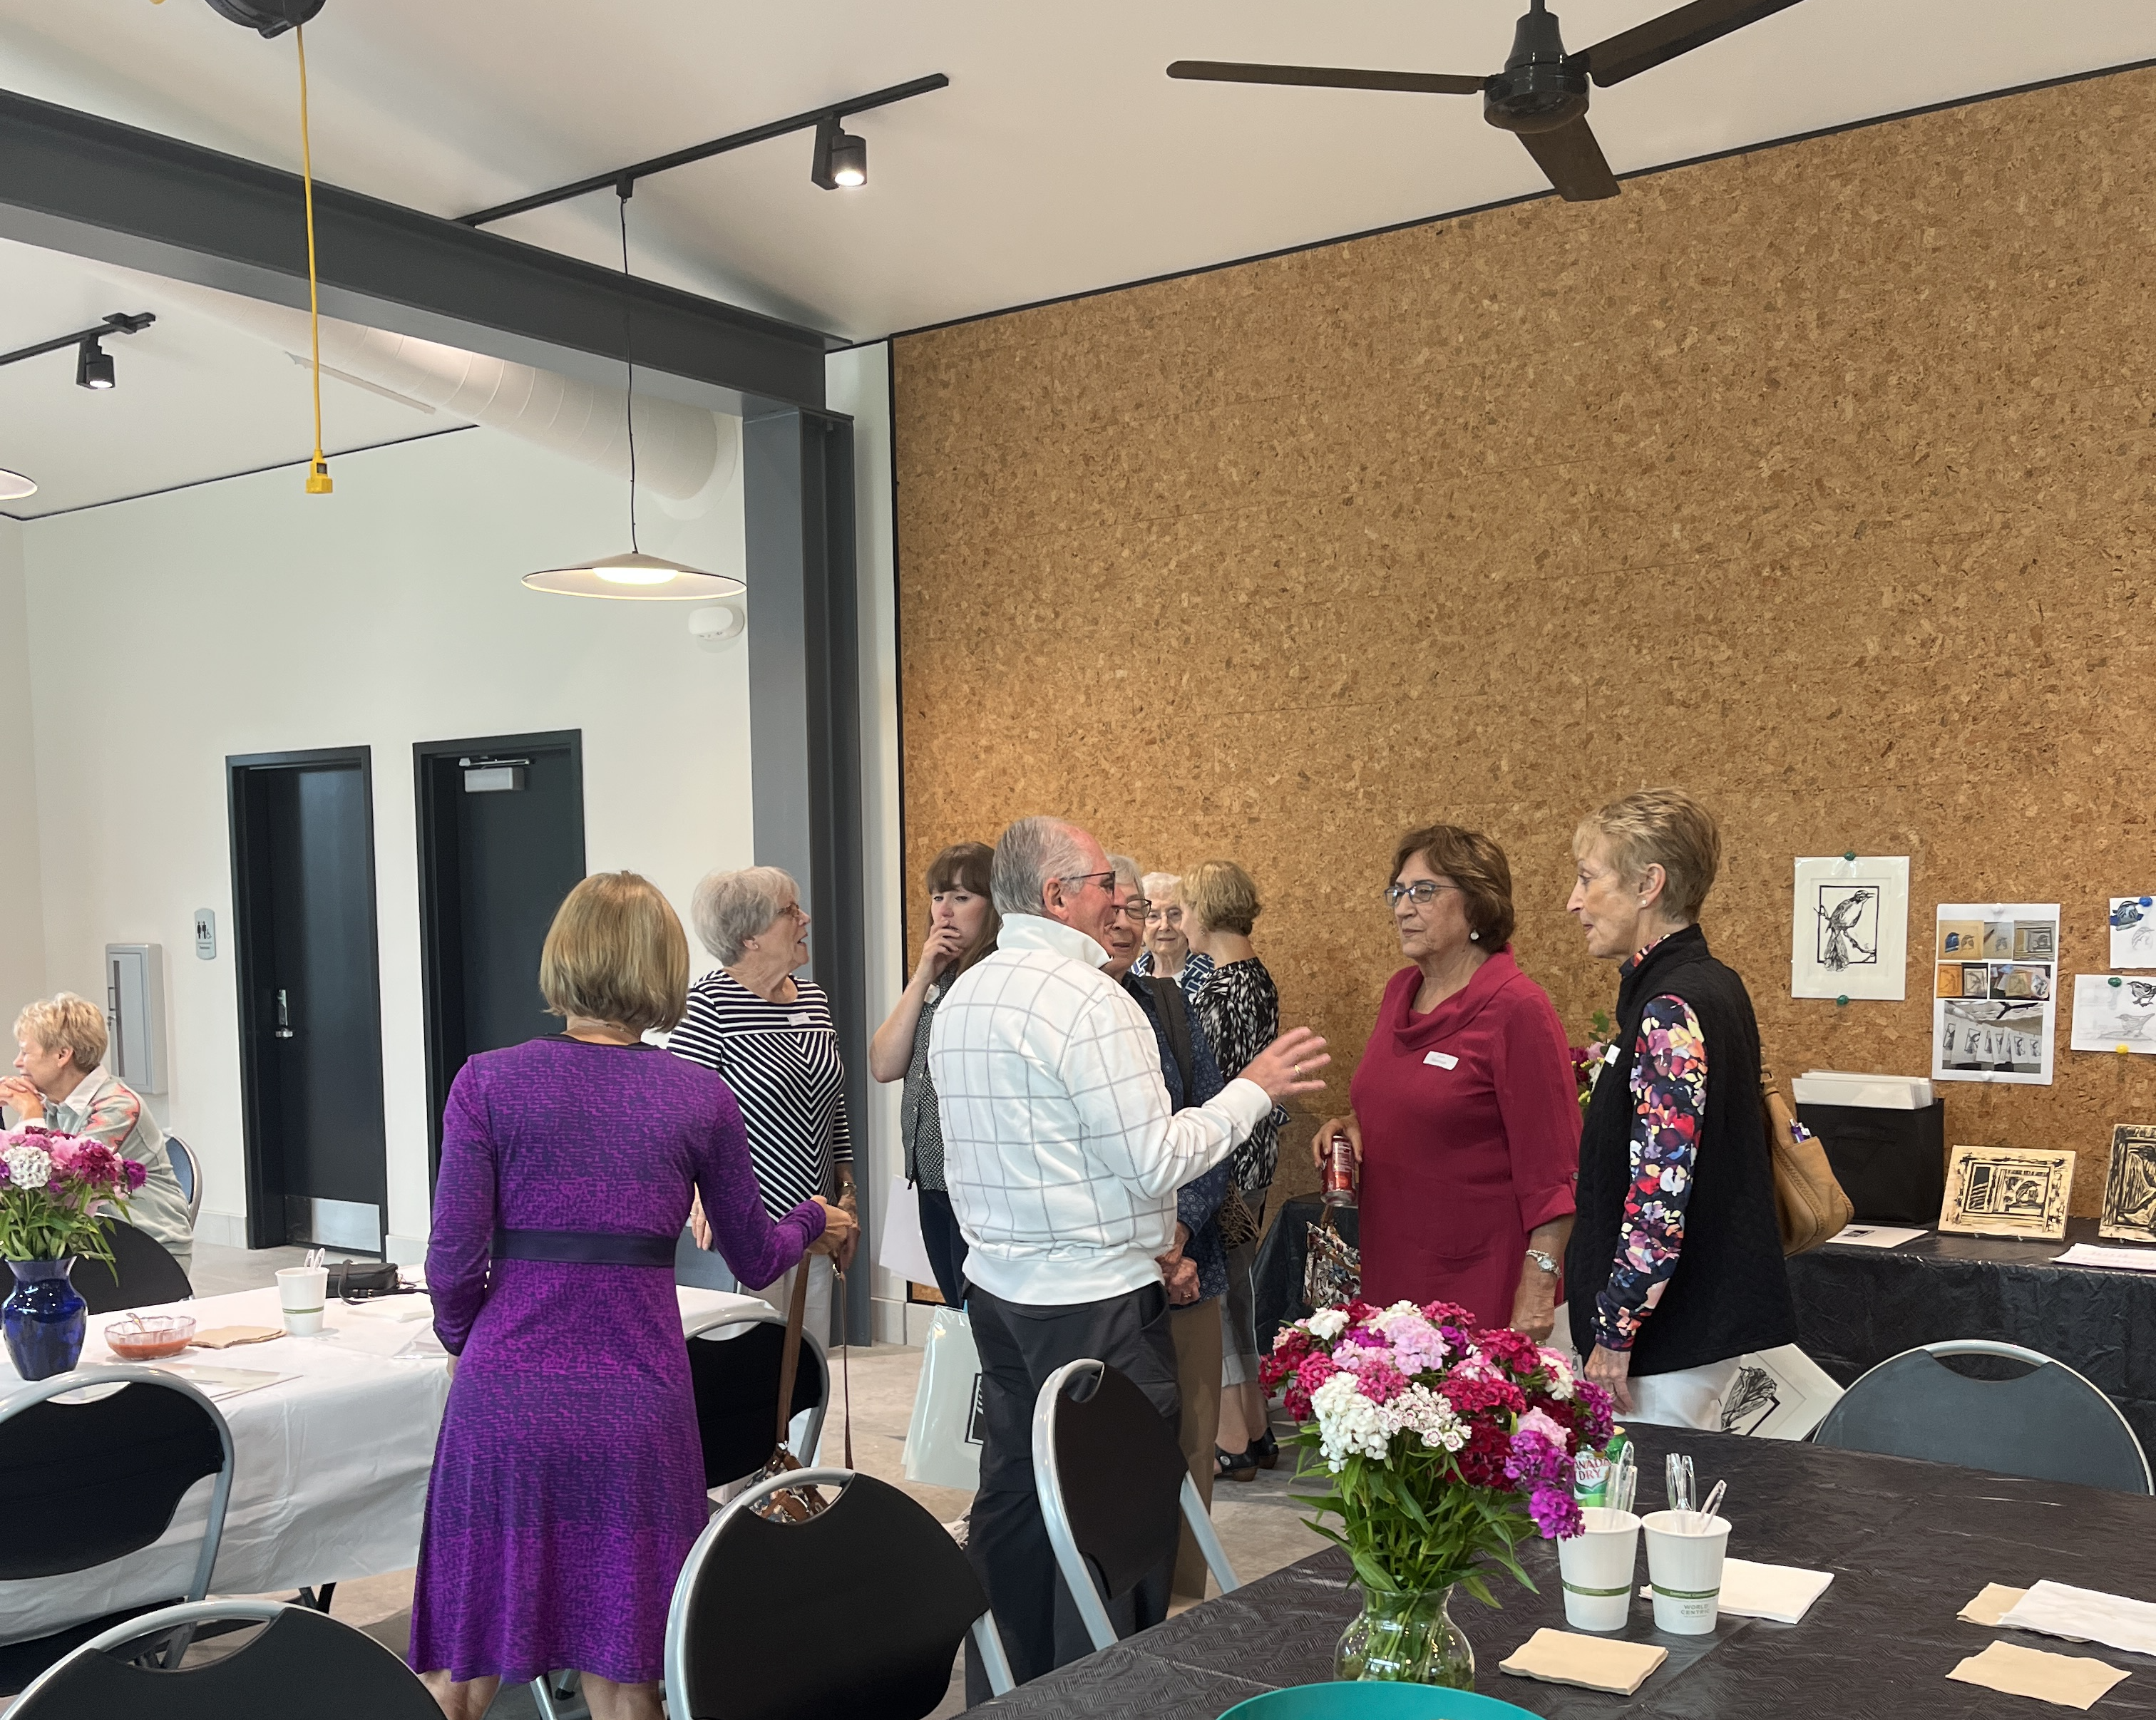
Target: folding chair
(734, 1643)
(304, 1663)
(2049, 1424)
(1111, 1477)
(143, 1272)
(87, 1483)
(189, 1173)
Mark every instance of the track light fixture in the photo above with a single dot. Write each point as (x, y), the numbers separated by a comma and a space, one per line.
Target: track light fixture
(841, 159)
(93, 366)
(93, 363)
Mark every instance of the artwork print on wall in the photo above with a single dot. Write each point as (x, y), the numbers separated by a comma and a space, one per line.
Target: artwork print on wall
(2133, 932)
(2129, 1185)
(1849, 928)
(2007, 1191)
(1994, 998)
(2113, 1013)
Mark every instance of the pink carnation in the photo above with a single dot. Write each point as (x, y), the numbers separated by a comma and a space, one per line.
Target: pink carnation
(1416, 1344)
(1381, 1382)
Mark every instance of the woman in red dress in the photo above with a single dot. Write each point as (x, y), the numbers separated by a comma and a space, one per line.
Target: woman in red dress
(1466, 1116)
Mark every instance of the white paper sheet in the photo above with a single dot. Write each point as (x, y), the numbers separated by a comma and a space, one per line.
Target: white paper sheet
(1849, 931)
(2114, 1013)
(1994, 992)
(1874, 1236)
(2085, 1615)
(2123, 1260)
(2133, 932)
(902, 1251)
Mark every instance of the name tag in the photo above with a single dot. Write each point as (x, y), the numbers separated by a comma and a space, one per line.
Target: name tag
(1610, 1055)
(1441, 1059)
(799, 1021)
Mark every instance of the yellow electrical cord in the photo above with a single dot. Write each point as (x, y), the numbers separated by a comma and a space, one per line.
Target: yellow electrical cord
(318, 469)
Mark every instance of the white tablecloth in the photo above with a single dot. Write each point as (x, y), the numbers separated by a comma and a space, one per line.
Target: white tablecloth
(331, 1469)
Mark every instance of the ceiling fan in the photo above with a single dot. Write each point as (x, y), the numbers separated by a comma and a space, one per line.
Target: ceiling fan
(1540, 96)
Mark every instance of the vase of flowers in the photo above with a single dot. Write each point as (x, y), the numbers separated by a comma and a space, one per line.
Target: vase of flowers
(51, 1186)
(1447, 1446)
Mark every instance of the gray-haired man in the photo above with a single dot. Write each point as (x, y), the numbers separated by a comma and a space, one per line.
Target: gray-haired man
(1063, 1155)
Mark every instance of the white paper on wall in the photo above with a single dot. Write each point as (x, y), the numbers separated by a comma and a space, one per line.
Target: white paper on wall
(2133, 932)
(1849, 928)
(2114, 1014)
(1994, 992)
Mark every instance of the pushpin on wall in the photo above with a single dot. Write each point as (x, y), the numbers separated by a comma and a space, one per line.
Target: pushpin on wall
(2116, 980)
(1850, 855)
(1842, 1001)
(2123, 1050)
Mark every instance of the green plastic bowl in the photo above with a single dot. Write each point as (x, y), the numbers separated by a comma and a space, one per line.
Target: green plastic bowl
(1373, 1700)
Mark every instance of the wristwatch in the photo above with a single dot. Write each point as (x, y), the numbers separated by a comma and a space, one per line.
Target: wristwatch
(1544, 1261)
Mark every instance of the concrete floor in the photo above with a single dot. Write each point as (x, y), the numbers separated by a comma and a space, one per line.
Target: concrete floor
(1261, 1522)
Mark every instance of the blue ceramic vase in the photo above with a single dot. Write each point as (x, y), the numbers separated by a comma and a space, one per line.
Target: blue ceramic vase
(44, 1320)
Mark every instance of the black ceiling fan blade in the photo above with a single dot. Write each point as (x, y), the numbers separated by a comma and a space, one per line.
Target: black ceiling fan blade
(1646, 46)
(1573, 159)
(1224, 71)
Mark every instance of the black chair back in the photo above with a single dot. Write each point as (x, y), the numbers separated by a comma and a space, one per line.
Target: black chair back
(147, 1274)
(736, 1381)
(735, 1639)
(2048, 1425)
(302, 1663)
(1121, 1473)
(90, 1482)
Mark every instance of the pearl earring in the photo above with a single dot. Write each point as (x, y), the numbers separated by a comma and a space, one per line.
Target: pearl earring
(1475, 937)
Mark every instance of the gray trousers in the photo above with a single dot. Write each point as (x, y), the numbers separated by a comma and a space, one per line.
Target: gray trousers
(1020, 1344)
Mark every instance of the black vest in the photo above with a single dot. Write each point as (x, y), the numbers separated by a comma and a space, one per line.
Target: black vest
(1729, 1294)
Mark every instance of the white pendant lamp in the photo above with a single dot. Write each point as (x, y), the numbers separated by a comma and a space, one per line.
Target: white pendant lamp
(14, 486)
(636, 575)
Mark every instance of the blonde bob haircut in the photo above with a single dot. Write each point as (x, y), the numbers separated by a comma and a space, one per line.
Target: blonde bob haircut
(65, 1022)
(1658, 826)
(1221, 897)
(616, 953)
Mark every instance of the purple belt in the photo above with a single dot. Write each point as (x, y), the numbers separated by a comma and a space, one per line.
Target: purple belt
(585, 1247)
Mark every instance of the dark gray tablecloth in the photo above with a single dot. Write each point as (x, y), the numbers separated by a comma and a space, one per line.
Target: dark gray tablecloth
(1856, 1307)
(1909, 1545)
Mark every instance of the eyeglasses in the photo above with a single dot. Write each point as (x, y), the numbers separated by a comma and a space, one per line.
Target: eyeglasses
(1136, 910)
(1422, 893)
(1173, 916)
(1106, 880)
(793, 910)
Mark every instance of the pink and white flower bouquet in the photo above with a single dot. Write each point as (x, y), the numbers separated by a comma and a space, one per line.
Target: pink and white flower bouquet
(1448, 1444)
(50, 1185)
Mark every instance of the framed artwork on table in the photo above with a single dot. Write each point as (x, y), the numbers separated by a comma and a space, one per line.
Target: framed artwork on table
(2129, 1185)
(2007, 1191)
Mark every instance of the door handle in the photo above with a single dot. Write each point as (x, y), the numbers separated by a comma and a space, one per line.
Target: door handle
(284, 1017)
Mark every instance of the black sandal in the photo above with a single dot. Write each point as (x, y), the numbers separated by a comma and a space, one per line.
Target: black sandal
(1234, 1465)
(1266, 1450)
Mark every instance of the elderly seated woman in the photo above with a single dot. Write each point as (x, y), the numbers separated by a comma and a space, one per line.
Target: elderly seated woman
(771, 1037)
(60, 1083)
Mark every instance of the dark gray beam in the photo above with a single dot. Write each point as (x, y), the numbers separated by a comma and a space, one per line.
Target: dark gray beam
(71, 182)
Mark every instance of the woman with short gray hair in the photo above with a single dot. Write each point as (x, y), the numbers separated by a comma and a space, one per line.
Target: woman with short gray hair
(771, 1037)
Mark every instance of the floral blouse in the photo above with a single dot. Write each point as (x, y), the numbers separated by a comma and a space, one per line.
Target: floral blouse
(1669, 1101)
(1240, 1010)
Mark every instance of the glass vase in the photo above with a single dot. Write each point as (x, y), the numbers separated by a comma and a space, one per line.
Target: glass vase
(1406, 1637)
(43, 1318)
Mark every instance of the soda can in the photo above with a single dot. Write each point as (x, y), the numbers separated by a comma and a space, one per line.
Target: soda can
(1340, 1173)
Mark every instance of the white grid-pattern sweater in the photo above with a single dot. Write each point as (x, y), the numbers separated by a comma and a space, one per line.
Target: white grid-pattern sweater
(1060, 1152)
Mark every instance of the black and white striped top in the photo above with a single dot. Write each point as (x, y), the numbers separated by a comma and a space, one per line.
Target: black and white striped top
(782, 1061)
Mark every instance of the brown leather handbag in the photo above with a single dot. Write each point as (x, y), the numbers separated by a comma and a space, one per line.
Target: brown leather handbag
(798, 1504)
(1809, 1202)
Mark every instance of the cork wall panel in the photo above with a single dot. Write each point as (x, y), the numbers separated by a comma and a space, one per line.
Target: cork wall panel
(1820, 480)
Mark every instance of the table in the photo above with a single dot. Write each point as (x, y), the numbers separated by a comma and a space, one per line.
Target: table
(1909, 1543)
(331, 1466)
(1856, 1307)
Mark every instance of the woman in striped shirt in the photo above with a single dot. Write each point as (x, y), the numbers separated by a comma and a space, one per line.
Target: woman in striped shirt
(771, 1037)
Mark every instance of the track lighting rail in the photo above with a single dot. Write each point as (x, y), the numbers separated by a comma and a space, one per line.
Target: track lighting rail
(834, 111)
(119, 323)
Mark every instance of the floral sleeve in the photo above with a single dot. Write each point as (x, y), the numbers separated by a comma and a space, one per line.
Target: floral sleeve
(1668, 1100)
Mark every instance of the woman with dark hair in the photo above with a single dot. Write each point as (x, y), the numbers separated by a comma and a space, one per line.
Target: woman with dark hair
(962, 926)
(1675, 1266)
(1466, 1118)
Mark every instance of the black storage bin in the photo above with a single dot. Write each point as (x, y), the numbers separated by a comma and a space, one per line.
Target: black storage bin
(1893, 1165)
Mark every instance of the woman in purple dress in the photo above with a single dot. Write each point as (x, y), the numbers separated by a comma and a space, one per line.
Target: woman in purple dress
(568, 1481)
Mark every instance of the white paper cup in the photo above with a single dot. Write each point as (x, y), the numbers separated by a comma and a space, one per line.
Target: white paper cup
(1685, 1552)
(303, 1290)
(1597, 1568)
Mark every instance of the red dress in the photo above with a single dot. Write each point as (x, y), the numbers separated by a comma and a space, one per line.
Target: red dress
(1470, 1139)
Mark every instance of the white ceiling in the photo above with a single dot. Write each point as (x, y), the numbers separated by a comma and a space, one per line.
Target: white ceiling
(1060, 160)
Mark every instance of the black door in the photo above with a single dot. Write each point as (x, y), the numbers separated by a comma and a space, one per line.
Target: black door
(310, 998)
(502, 842)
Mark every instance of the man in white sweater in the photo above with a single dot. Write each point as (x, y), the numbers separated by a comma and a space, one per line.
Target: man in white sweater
(1063, 1156)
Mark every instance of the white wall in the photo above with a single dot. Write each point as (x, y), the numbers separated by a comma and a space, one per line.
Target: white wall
(858, 382)
(21, 913)
(246, 616)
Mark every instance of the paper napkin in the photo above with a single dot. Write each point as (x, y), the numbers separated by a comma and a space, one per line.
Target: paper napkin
(224, 1336)
(2070, 1681)
(1592, 1662)
(1995, 1600)
(2085, 1615)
